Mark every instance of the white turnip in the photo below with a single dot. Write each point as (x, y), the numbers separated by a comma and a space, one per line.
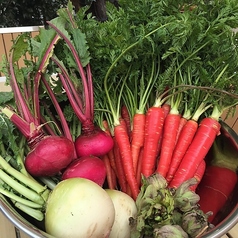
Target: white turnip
(125, 208)
(79, 208)
(89, 167)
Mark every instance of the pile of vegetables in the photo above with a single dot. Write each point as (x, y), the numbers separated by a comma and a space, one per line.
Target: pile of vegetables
(115, 120)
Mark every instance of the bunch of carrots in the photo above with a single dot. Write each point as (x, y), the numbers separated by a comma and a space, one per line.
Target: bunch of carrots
(161, 140)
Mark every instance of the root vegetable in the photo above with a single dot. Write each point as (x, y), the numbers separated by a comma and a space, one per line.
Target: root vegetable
(52, 154)
(79, 207)
(89, 167)
(125, 208)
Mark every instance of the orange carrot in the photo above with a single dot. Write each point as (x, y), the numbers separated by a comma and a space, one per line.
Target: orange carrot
(137, 142)
(119, 168)
(199, 174)
(123, 142)
(183, 121)
(181, 147)
(208, 129)
(170, 130)
(126, 116)
(110, 179)
(166, 107)
(138, 171)
(153, 129)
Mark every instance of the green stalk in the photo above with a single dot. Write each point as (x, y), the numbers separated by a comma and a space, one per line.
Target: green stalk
(19, 199)
(106, 88)
(37, 214)
(26, 192)
(37, 187)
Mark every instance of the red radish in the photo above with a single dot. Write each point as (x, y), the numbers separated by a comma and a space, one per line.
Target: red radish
(208, 129)
(153, 129)
(89, 167)
(93, 140)
(51, 155)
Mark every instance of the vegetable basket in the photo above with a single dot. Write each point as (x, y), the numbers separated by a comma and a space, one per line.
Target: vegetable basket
(228, 217)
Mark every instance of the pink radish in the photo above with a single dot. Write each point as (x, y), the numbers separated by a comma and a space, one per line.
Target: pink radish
(89, 167)
(93, 140)
(51, 155)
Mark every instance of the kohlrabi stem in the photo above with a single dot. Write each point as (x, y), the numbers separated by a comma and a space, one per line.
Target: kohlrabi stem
(36, 187)
(21, 189)
(17, 198)
(35, 213)
(48, 182)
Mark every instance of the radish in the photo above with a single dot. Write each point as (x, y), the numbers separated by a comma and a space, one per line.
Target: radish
(125, 209)
(49, 154)
(78, 207)
(41, 160)
(89, 167)
(92, 140)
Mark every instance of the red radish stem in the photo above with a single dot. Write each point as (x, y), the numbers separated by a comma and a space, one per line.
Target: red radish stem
(199, 174)
(208, 129)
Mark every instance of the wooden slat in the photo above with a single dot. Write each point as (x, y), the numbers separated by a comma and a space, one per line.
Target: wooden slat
(7, 230)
